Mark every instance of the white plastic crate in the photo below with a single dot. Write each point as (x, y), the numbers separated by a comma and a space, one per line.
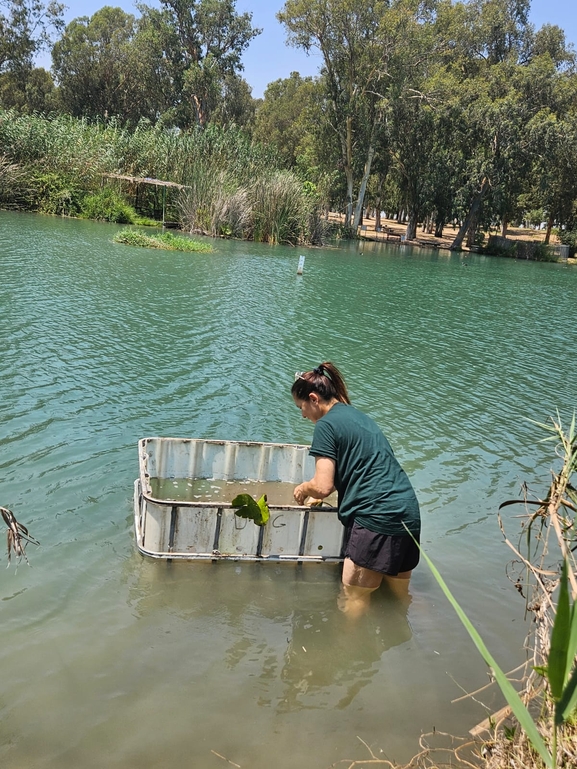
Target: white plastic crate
(171, 527)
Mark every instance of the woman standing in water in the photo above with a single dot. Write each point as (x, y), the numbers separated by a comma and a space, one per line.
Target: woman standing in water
(376, 498)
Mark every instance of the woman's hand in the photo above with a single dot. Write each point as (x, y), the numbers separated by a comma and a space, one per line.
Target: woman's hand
(300, 494)
(321, 485)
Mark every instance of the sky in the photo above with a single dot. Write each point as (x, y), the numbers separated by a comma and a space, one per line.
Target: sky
(268, 58)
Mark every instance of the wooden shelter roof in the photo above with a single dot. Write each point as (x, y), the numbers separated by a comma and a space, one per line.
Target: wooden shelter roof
(144, 180)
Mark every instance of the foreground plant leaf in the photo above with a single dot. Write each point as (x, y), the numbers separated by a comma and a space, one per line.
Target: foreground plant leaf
(560, 658)
(248, 507)
(516, 704)
(563, 652)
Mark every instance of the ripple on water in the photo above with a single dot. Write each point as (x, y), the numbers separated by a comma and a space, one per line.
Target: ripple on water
(109, 659)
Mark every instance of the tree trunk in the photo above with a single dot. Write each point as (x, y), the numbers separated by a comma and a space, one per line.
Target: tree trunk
(504, 227)
(411, 232)
(348, 152)
(200, 115)
(349, 208)
(363, 187)
(457, 244)
(549, 228)
(471, 232)
(378, 202)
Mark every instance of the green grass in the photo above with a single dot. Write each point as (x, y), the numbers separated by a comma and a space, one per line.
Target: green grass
(165, 240)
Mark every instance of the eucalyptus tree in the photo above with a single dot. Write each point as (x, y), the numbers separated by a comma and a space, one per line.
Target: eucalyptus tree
(93, 66)
(554, 169)
(282, 116)
(551, 41)
(512, 98)
(372, 57)
(484, 44)
(552, 134)
(236, 105)
(30, 91)
(552, 141)
(415, 109)
(201, 43)
(412, 144)
(347, 34)
(26, 28)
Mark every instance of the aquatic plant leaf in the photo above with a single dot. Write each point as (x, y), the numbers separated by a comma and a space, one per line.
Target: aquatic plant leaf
(248, 507)
(566, 705)
(572, 646)
(265, 512)
(558, 662)
(513, 699)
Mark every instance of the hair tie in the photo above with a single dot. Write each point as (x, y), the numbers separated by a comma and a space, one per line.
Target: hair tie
(321, 370)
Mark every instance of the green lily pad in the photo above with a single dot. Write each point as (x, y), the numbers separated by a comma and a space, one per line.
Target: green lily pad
(248, 507)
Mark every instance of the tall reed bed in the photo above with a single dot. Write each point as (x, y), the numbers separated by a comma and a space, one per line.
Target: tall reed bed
(11, 180)
(234, 186)
(271, 208)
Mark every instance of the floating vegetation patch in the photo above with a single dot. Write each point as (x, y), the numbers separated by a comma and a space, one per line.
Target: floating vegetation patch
(167, 241)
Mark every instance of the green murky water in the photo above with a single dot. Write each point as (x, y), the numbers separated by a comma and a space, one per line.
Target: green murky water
(112, 660)
(214, 490)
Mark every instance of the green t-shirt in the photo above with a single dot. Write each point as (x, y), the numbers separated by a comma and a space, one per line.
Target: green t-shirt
(373, 488)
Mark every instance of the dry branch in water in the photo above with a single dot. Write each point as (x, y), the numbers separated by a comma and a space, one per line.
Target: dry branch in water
(17, 536)
(464, 755)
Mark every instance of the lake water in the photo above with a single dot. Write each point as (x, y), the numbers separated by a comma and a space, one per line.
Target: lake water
(112, 660)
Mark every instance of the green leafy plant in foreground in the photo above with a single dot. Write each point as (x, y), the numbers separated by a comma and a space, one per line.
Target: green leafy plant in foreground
(550, 538)
(560, 671)
(248, 507)
(166, 241)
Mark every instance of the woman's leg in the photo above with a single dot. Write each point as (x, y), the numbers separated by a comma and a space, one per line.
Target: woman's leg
(358, 576)
(399, 585)
(358, 584)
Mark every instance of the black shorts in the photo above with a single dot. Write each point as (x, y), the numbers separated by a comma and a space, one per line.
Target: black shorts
(385, 553)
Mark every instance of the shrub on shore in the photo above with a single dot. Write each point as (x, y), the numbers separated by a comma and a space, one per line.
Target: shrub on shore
(11, 181)
(108, 206)
(569, 238)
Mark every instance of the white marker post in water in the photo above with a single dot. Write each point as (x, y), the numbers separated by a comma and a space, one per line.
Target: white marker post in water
(301, 265)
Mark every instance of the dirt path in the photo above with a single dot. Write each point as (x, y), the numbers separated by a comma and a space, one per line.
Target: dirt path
(392, 232)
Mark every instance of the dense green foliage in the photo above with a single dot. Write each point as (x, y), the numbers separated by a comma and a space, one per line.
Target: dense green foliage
(434, 111)
(569, 238)
(108, 206)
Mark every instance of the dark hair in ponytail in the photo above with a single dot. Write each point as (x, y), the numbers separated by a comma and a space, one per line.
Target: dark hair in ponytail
(325, 380)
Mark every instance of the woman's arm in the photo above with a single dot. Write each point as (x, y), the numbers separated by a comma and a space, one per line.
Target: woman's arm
(321, 485)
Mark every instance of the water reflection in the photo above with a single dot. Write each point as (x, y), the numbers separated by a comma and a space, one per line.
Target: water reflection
(331, 657)
(278, 630)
